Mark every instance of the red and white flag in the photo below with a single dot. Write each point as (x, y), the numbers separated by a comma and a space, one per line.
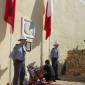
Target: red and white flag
(10, 12)
(48, 15)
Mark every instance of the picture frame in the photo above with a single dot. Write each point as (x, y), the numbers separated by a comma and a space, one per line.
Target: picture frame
(28, 28)
(28, 46)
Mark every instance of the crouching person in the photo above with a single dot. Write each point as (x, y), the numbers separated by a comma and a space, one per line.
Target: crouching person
(49, 72)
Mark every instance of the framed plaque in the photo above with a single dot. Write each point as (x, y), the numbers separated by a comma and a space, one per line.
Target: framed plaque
(28, 46)
(28, 29)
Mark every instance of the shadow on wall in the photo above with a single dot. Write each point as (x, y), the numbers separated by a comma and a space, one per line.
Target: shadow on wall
(2, 22)
(2, 71)
(37, 18)
(73, 69)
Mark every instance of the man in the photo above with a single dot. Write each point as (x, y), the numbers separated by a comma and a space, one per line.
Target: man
(18, 56)
(49, 72)
(54, 59)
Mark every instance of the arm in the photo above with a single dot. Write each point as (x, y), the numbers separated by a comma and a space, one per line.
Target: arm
(52, 53)
(13, 53)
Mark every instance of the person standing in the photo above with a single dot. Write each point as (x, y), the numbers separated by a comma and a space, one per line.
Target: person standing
(18, 57)
(54, 59)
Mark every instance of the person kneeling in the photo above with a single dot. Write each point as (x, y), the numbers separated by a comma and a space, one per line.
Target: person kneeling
(49, 72)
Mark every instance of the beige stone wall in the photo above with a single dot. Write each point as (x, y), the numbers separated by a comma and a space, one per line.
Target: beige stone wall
(75, 63)
(67, 29)
(68, 24)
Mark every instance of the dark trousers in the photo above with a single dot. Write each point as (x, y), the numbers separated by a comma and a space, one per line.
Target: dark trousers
(55, 66)
(19, 72)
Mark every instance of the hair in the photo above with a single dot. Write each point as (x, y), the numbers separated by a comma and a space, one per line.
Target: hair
(47, 61)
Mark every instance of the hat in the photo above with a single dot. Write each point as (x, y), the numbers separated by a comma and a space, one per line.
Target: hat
(56, 44)
(22, 38)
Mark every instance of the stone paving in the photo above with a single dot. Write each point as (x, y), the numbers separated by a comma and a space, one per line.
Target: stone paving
(69, 80)
(69, 83)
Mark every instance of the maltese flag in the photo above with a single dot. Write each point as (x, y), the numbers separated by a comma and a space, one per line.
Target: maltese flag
(49, 12)
(9, 16)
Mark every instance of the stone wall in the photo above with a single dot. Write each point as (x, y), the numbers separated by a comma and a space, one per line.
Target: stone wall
(75, 63)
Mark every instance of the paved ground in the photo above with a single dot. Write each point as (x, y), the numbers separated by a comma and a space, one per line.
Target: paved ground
(69, 83)
(73, 78)
(70, 80)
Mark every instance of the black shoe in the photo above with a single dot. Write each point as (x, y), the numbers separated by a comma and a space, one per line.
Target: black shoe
(57, 78)
(54, 80)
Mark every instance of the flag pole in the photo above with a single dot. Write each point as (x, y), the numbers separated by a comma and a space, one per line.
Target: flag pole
(10, 57)
(41, 57)
(49, 47)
